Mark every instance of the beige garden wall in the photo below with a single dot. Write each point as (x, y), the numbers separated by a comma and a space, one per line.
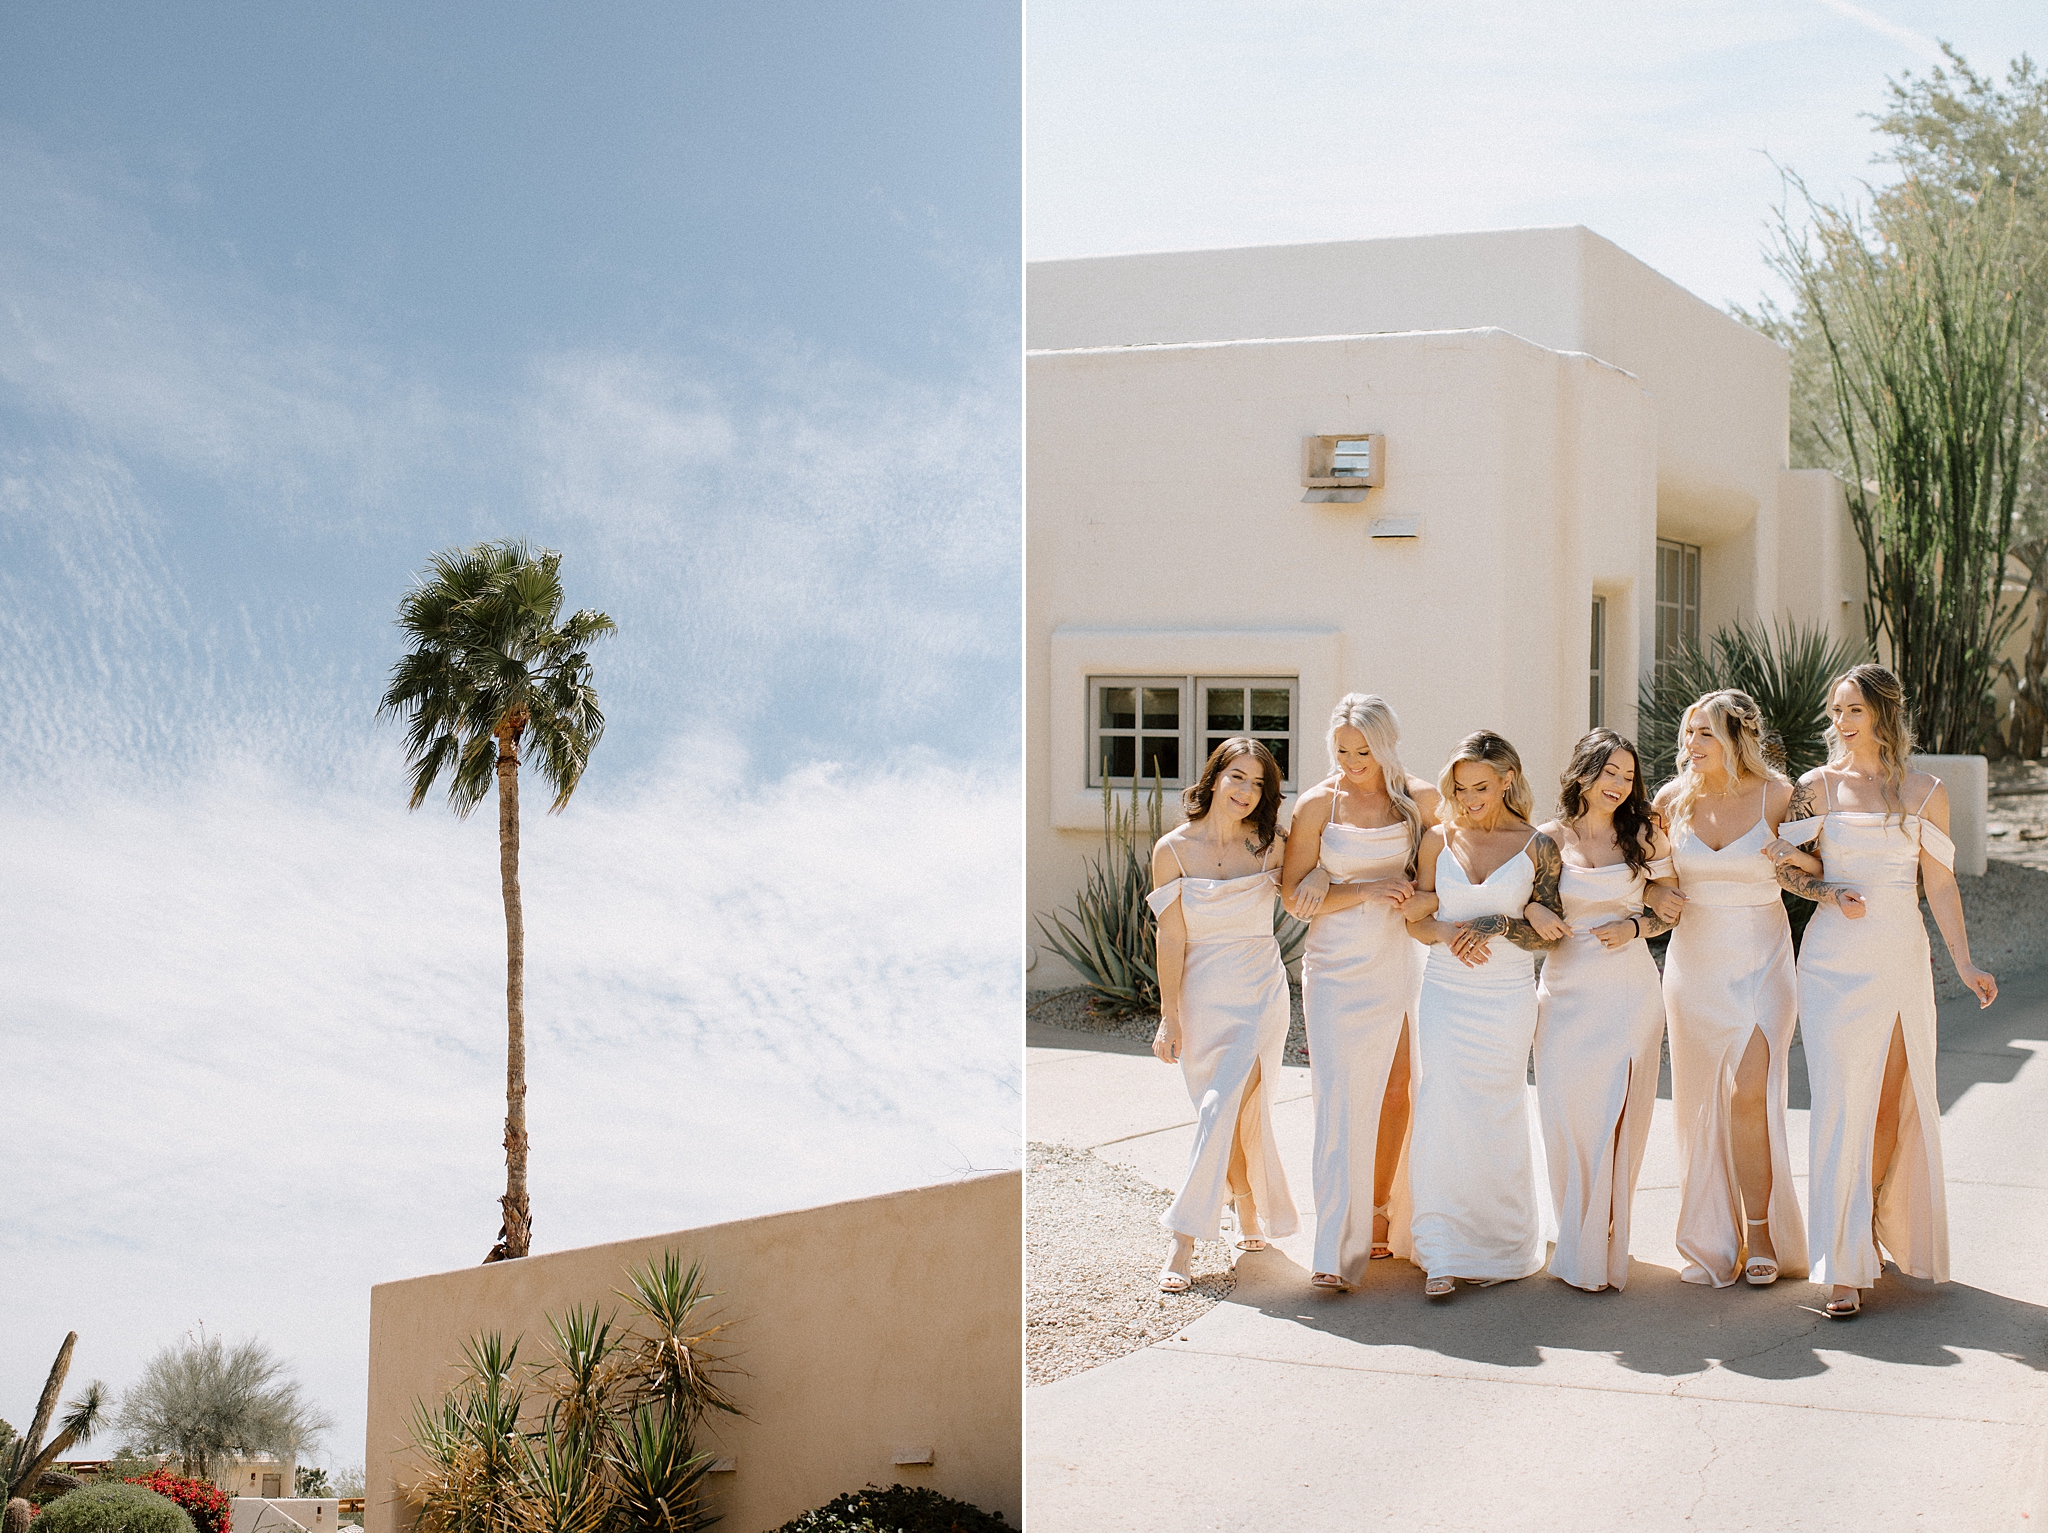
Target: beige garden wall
(1167, 535)
(869, 1330)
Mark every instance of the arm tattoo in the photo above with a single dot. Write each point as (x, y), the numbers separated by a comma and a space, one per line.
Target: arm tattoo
(1805, 801)
(1549, 868)
(1807, 885)
(1648, 925)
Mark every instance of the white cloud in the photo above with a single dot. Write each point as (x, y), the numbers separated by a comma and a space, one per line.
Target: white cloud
(254, 1034)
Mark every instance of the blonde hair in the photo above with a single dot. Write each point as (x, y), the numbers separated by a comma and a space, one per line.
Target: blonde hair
(1884, 699)
(1738, 723)
(1371, 717)
(1486, 748)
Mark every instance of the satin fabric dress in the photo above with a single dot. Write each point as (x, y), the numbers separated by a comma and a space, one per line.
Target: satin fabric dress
(1481, 1198)
(1234, 1012)
(1360, 972)
(1727, 974)
(1856, 978)
(1599, 1038)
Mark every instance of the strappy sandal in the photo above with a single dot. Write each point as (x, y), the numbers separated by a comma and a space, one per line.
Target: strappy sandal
(1246, 1241)
(1439, 1287)
(1172, 1282)
(1329, 1280)
(1843, 1309)
(1760, 1271)
(1382, 1249)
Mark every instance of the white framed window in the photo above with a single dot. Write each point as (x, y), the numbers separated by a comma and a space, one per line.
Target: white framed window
(1142, 726)
(1596, 691)
(1678, 598)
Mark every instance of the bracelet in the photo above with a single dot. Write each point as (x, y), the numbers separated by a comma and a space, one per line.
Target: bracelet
(1637, 923)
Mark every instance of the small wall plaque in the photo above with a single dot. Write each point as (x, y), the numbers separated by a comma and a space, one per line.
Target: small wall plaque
(1396, 527)
(724, 1465)
(911, 1456)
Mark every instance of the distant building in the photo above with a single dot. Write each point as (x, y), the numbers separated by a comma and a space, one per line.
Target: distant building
(1561, 466)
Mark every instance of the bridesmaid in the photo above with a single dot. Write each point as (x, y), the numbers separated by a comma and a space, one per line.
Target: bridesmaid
(1599, 1008)
(1223, 1003)
(1350, 873)
(1478, 1191)
(1731, 999)
(1866, 993)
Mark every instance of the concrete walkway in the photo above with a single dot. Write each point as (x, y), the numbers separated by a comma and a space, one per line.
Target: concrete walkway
(1534, 1406)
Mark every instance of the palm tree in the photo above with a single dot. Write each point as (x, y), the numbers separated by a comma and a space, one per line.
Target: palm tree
(493, 676)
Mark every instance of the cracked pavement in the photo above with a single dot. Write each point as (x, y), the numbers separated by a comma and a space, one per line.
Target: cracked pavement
(1532, 1405)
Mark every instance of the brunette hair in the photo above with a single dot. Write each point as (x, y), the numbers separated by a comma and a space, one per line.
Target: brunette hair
(1634, 827)
(1884, 698)
(1738, 723)
(1371, 717)
(1265, 819)
(1488, 749)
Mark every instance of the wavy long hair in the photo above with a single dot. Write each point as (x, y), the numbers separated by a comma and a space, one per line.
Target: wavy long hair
(1196, 798)
(1738, 723)
(1488, 749)
(1884, 698)
(1634, 826)
(1370, 716)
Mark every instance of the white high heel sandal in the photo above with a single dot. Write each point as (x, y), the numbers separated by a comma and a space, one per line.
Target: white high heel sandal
(1760, 1271)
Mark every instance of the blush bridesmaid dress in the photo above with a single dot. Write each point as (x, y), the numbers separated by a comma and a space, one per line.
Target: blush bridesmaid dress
(1857, 979)
(1599, 1039)
(1234, 1015)
(1360, 972)
(1481, 1198)
(1727, 976)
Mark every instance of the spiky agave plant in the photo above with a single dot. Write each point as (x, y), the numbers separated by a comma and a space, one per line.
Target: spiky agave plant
(660, 1474)
(1113, 943)
(1785, 667)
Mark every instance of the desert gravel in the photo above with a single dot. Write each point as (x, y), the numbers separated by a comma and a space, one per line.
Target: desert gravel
(1092, 1249)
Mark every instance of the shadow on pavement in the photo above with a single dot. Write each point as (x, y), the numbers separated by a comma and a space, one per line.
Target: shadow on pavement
(1658, 1325)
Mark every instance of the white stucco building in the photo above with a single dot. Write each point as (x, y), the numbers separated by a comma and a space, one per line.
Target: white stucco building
(1582, 462)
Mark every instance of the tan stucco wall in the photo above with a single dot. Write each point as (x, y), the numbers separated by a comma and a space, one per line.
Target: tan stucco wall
(1166, 516)
(865, 1328)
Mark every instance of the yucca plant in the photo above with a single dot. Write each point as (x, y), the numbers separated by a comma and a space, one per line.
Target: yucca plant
(1113, 941)
(597, 1439)
(1786, 668)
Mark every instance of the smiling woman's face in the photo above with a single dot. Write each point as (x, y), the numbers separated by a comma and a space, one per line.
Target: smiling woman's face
(1240, 785)
(1354, 755)
(1850, 715)
(1478, 788)
(1702, 746)
(1610, 789)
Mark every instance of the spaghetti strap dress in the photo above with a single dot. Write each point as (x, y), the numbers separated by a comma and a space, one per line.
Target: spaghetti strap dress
(1360, 971)
(1856, 979)
(1728, 975)
(1599, 1038)
(1481, 1197)
(1234, 1015)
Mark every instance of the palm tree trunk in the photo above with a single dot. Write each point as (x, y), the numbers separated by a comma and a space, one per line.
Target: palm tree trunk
(517, 1234)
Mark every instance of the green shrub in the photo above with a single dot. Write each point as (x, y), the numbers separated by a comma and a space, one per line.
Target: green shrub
(899, 1509)
(113, 1509)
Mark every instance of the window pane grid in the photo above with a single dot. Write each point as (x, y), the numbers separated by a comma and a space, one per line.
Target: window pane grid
(1142, 726)
(1678, 598)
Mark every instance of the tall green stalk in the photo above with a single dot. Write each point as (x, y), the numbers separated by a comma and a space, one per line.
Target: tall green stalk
(1920, 309)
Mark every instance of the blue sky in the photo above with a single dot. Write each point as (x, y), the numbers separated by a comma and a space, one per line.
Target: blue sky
(720, 301)
(1201, 123)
